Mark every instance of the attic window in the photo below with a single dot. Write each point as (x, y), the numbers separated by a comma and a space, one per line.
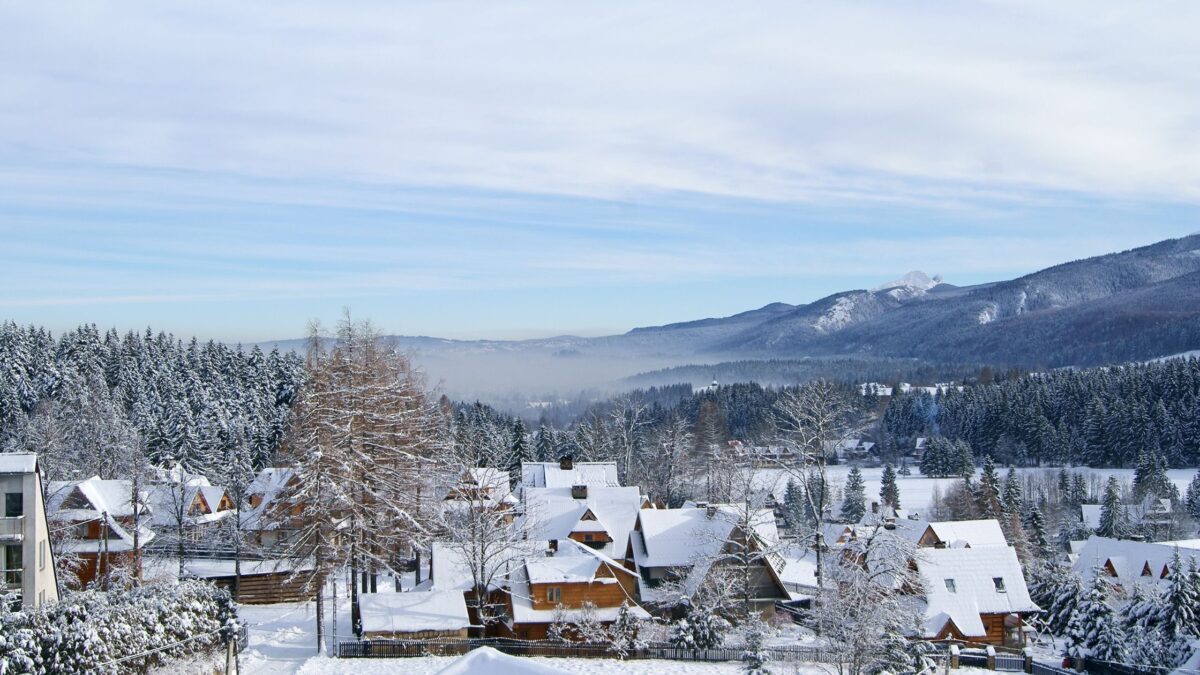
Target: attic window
(998, 582)
(950, 586)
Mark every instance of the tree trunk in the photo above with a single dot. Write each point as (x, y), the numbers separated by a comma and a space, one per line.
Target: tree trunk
(320, 618)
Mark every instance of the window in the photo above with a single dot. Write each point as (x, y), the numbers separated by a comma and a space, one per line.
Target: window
(554, 595)
(998, 582)
(14, 504)
(42, 555)
(587, 537)
(950, 586)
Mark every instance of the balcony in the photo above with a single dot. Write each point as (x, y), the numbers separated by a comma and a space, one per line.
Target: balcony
(13, 579)
(12, 529)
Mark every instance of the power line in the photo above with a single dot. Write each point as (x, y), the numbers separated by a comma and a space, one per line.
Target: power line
(163, 648)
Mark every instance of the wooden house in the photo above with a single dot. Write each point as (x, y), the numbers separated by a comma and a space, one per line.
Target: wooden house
(684, 545)
(570, 580)
(111, 526)
(974, 595)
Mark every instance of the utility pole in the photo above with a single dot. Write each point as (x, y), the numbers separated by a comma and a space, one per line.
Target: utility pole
(104, 537)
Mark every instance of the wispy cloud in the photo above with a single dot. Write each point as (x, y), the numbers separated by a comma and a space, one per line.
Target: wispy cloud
(165, 163)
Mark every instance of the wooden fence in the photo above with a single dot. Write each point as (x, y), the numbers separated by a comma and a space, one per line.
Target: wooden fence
(414, 648)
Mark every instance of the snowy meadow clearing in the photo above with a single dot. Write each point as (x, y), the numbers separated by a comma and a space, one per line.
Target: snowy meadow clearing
(917, 492)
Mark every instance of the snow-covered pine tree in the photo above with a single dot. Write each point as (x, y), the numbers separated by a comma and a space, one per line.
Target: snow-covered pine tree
(987, 495)
(1192, 500)
(1114, 518)
(625, 633)
(889, 492)
(1094, 622)
(854, 497)
(698, 628)
(754, 654)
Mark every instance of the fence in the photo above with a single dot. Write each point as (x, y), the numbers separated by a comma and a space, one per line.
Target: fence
(412, 648)
(1010, 662)
(1047, 669)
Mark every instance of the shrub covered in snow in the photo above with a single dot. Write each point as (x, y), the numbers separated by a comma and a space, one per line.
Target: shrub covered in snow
(116, 632)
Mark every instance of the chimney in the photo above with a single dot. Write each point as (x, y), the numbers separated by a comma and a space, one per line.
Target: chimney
(566, 463)
(701, 505)
(874, 507)
(578, 492)
(710, 512)
(552, 549)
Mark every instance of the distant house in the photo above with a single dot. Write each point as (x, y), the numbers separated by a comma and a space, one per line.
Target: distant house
(1131, 563)
(1151, 513)
(762, 455)
(481, 487)
(414, 615)
(849, 449)
(111, 524)
(684, 545)
(272, 515)
(963, 534)
(556, 586)
(28, 562)
(974, 595)
(195, 505)
(567, 473)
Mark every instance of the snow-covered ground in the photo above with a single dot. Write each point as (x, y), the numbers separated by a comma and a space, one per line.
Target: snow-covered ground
(916, 491)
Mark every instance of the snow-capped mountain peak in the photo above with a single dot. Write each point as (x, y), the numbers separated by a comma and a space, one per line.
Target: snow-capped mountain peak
(915, 279)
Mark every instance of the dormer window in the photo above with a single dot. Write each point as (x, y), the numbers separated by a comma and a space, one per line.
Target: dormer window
(950, 586)
(998, 582)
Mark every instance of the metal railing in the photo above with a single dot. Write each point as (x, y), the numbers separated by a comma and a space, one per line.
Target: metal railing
(12, 527)
(13, 579)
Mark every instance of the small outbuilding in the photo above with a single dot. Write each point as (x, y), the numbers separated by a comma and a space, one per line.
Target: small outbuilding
(416, 615)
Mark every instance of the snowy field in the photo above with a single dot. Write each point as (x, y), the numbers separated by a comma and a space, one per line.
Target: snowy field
(916, 491)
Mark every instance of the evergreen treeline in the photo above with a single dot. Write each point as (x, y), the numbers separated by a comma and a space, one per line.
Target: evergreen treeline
(72, 397)
(1100, 417)
(794, 371)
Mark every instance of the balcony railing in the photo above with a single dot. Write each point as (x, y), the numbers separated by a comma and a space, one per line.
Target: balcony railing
(13, 579)
(12, 528)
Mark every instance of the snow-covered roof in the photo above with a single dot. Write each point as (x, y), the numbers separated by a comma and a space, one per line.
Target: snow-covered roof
(207, 568)
(552, 475)
(449, 570)
(969, 533)
(1131, 561)
(18, 462)
(413, 611)
(681, 537)
(266, 486)
(561, 569)
(963, 583)
(553, 513)
(492, 662)
(103, 497)
(1090, 514)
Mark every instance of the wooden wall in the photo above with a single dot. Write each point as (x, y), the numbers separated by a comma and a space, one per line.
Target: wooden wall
(266, 589)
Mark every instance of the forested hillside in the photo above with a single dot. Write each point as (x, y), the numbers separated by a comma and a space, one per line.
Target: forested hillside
(1101, 417)
(79, 398)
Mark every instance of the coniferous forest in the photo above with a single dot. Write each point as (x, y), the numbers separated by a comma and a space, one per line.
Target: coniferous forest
(69, 396)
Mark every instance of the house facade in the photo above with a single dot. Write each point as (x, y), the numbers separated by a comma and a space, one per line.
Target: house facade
(28, 562)
(974, 595)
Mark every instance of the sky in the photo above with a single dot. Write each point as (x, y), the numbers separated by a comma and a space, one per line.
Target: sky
(521, 169)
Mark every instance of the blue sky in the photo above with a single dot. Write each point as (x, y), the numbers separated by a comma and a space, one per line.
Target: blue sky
(467, 170)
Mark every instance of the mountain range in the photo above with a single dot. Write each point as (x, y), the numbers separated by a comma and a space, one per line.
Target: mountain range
(1132, 305)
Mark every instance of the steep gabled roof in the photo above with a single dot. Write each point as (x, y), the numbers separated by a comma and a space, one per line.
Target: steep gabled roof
(960, 585)
(969, 533)
(1128, 559)
(552, 513)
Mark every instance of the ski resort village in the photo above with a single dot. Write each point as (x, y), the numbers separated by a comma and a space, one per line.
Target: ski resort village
(600, 338)
(281, 513)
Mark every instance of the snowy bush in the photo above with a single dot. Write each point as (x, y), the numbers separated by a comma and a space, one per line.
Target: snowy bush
(130, 631)
(699, 629)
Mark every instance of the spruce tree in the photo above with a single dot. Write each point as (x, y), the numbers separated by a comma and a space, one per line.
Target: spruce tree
(1094, 621)
(1192, 501)
(1180, 600)
(889, 492)
(1114, 520)
(854, 497)
(988, 494)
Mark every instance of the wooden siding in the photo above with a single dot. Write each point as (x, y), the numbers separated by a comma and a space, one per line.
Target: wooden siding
(265, 589)
(417, 635)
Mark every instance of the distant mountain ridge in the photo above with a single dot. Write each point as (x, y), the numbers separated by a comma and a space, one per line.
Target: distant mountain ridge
(1133, 305)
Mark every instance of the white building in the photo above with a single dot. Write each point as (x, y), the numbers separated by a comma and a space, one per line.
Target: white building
(24, 532)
